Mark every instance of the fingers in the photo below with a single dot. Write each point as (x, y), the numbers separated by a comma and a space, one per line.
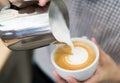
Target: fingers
(68, 80)
(72, 80)
(58, 78)
(93, 79)
(94, 40)
(43, 2)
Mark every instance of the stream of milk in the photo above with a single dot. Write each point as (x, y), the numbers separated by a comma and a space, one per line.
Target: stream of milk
(62, 34)
(60, 30)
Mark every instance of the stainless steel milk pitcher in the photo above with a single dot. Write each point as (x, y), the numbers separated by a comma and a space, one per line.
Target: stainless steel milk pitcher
(35, 37)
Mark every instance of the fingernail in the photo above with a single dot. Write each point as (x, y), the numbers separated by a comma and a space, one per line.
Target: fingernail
(55, 73)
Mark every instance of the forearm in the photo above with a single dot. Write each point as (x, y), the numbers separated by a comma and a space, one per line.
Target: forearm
(4, 54)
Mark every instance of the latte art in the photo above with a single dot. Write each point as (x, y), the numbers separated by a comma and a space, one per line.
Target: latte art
(79, 56)
(82, 56)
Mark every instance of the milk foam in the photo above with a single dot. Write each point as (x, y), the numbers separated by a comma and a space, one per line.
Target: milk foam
(79, 56)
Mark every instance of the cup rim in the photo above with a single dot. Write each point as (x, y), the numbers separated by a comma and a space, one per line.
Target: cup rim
(80, 70)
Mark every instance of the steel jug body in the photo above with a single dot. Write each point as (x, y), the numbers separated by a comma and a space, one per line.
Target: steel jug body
(27, 38)
(26, 32)
(33, 37)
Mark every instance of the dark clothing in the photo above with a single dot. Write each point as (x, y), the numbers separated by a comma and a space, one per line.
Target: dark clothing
(17, 68)
(20, 69)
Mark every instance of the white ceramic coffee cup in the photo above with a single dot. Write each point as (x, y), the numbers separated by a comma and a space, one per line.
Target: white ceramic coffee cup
(82, 74)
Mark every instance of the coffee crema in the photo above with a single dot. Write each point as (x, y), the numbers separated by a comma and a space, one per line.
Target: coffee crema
(65, 59)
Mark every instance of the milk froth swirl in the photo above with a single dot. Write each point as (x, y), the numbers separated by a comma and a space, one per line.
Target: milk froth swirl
(82, 57)
(78, 56)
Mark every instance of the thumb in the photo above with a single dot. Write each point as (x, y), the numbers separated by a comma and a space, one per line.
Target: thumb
(103, 54)
(94, 40)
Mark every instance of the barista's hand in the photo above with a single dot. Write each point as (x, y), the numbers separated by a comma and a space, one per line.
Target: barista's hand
(43, 2)
(32, 6)
(107, 71)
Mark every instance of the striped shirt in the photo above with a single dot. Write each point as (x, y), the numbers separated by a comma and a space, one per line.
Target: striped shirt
(99, 19)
